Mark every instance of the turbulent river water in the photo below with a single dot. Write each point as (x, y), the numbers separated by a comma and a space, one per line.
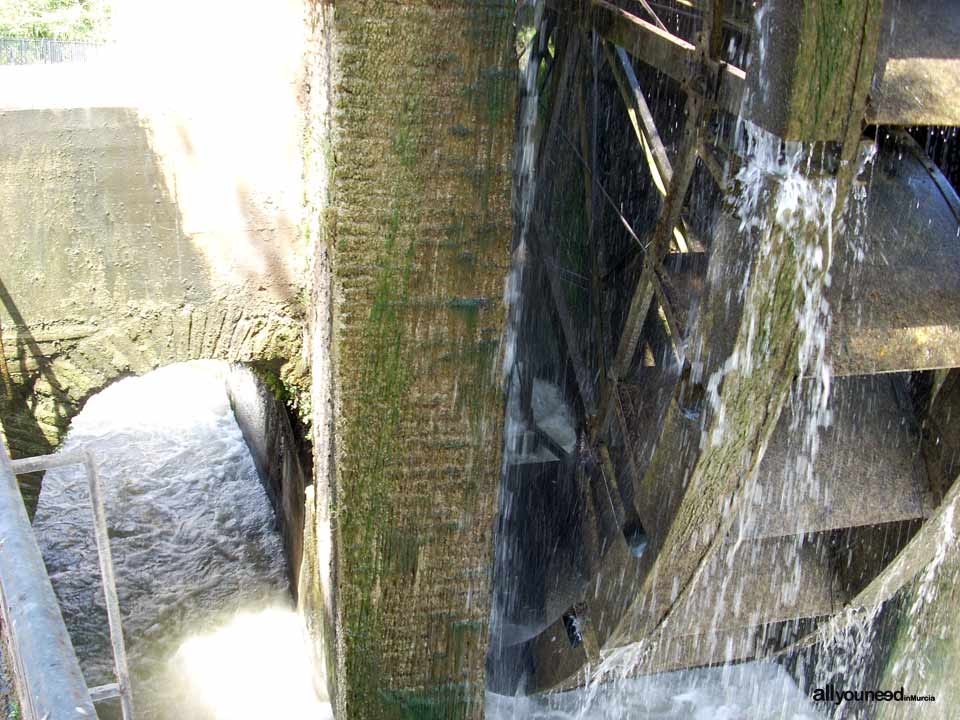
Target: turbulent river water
(210, 626)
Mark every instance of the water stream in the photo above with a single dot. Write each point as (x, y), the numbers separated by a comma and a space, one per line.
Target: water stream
(209, 622)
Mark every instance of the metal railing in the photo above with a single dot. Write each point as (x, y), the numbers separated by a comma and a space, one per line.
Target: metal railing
(46, 672)
(36, 51)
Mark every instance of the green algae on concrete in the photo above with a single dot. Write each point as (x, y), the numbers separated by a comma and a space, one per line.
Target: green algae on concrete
(416, 228)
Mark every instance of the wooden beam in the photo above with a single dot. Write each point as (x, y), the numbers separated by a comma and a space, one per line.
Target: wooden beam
(567, 58)
(673, 324)
(671, 55)
(918, 65)
(667, 220)
(640, 117)
(815, 69)
(654, 45)
(636, 314)
(713, 24)
(909, 562)
(710, 162)
(567, 326)
(653, 16)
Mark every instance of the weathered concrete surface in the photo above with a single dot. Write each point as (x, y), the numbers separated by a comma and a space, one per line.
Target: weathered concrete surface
(100, 277)
(282, 461)
(150, 210)
(408, 283)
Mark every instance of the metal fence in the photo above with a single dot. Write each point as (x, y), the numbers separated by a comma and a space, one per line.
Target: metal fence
(46, 674)
(34, 51)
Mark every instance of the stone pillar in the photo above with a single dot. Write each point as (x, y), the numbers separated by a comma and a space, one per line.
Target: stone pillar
(410, 138)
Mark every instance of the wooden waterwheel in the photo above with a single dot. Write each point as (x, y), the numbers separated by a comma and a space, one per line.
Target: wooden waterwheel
(655, 493)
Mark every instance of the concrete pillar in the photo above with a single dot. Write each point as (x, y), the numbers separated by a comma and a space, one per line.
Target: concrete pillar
(410, 142)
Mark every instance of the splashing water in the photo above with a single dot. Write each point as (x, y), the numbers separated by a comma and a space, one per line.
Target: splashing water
(799, 203)
(195, 549)
(524, 194)
(253, 667)
(751, 691)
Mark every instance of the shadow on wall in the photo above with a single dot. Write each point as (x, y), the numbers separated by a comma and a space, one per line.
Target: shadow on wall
(20, 426)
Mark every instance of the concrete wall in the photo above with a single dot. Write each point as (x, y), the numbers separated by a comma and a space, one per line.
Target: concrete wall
(282, 462)
(409, 167)
(101, 279)
(150, 208)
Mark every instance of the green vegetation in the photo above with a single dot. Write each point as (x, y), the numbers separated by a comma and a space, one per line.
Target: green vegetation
(58, 19)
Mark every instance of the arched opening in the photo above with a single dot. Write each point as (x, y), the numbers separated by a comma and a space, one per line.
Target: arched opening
(203, 482)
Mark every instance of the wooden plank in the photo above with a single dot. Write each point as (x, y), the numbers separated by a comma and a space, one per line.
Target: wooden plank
(867, 471)
(671, 55)
(919, 552)
(667, 220)
(924, 548)
(697, 520)
(642, 39)
(640, 117)
(713, 24)
(710, 162)
(637, 313)
(917, 79)
(674, 327)
(808, 86)
(898, 308)
(743, 587)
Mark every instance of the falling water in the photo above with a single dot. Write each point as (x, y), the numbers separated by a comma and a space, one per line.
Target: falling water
(210, 627)
(787, 198)
(524, 192)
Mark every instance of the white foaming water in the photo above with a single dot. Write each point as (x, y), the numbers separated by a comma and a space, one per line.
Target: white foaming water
(254, 667)
(199, 563)
(751, 691)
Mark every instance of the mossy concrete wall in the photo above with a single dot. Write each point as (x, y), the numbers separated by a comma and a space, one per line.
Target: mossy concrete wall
(412, 137)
